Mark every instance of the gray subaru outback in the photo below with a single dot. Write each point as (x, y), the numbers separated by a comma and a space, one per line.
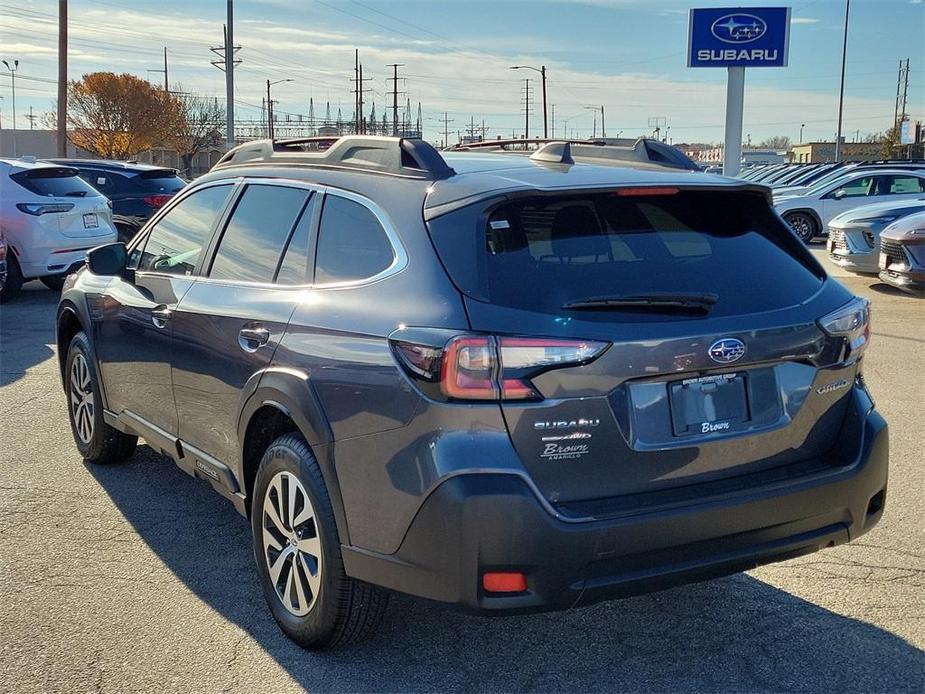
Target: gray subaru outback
(502, 382)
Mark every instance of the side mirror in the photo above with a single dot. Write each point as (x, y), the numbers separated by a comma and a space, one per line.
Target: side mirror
(108, 260)
(839, 194)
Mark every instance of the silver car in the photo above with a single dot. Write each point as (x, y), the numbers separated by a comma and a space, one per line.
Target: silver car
(854, 236)
(902, 254)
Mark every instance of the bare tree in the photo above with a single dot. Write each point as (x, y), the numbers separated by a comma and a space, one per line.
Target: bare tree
(116, 116)
(776, 142)
(198, 122)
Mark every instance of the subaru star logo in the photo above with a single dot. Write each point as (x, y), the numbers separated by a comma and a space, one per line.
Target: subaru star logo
(739, 28)
(727, 350)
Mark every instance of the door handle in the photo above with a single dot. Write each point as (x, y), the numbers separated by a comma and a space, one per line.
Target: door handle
(252, 339)
(160, 315)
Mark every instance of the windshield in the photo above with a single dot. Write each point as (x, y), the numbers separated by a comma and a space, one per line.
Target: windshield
(542, 253)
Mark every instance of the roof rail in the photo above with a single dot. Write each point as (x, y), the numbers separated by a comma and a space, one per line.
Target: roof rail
(411, 158)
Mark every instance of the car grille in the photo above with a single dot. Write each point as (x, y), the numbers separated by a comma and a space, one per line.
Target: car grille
(893, 251)
(839, 243)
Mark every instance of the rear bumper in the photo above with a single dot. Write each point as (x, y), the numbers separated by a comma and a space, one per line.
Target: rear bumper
(473, 523)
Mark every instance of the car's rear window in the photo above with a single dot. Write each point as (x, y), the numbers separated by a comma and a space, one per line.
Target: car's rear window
(164, 182)
(538, 253)
(54, 182)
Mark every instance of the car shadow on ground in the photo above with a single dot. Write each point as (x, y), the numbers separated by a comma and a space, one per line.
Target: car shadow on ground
(27, 328)
(736, 633)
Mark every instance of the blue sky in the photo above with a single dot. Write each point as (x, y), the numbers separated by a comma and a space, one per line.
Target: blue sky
(628, 55)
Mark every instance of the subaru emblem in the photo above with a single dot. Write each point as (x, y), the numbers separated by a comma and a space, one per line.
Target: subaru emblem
(727, 350)
(738, 28)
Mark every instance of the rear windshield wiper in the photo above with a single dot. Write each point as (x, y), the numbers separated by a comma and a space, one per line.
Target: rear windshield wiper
(693, 303)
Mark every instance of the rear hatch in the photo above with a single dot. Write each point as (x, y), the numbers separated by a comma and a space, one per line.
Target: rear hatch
(696, 314)
(78, 208)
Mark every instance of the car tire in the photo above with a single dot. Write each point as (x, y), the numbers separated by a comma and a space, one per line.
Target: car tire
(54, 282)
(14, 279)
(96, 440)
(297, 550)
(803, 225)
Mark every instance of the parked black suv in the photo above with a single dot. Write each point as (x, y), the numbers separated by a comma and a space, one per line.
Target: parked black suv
(508, 383)
(136, 191)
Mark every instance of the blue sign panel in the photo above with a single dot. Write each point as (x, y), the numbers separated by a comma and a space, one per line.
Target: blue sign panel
(746, 37)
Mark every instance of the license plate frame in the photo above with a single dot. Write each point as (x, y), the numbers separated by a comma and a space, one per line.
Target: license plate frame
(709, 404)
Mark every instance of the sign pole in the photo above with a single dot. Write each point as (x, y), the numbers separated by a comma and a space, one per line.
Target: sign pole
(735, 104)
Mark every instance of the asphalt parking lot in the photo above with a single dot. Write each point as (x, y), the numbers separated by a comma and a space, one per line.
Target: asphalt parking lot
(139, 578)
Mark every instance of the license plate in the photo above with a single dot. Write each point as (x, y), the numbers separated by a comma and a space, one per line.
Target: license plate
(91, 221)
(884, 261)
(831, 245)
(708, 405)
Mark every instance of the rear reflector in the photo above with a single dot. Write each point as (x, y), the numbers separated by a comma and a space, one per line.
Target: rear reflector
(655, 190)
(507, 582)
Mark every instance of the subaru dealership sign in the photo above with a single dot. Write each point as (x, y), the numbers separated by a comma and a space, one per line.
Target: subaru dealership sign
(747, 37)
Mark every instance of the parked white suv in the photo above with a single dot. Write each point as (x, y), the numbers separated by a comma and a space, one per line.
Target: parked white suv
(810, 213)
(50, 218)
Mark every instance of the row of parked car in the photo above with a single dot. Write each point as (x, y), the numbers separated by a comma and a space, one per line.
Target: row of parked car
(53, 211)
(872, 213)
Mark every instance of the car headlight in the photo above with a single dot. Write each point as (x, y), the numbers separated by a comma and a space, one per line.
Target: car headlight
(852, 322)
(885, 219)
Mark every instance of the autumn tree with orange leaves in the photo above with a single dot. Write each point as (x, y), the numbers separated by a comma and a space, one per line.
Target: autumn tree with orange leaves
(118, 116)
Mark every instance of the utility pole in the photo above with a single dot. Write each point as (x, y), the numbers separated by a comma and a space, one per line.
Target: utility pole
(13, 68)
(527, 108)
(269, 113)
(166, 83)
(553, 128)
(841, 91)
(446, 129)
(395, 93)
(226, 63)
(31, 118)
(62, 80)
(902, 87)
(545, 118)
(356, 88)
(230, 50)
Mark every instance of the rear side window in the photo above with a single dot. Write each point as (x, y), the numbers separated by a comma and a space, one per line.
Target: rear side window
(54, 183)
(175, 243)
(902, 185)
(540, 253)
(257, 233)
(352, 245)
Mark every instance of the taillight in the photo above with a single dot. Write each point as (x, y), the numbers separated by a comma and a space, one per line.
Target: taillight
(40, 208)
(489, 367)
(852, 322)
(157, 201)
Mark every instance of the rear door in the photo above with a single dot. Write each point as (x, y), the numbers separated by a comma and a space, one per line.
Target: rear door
(660, 407)
(228, 325)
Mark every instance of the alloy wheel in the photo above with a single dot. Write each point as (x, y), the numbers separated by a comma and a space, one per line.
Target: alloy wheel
(83, 403)
(291, 543)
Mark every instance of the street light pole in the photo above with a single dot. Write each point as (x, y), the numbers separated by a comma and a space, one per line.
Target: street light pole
(542, 71)
(270, 129)
(802, 125)
(13, 68)
(601, 109)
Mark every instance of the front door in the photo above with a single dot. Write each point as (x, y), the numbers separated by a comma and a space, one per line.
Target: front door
(134, 342)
